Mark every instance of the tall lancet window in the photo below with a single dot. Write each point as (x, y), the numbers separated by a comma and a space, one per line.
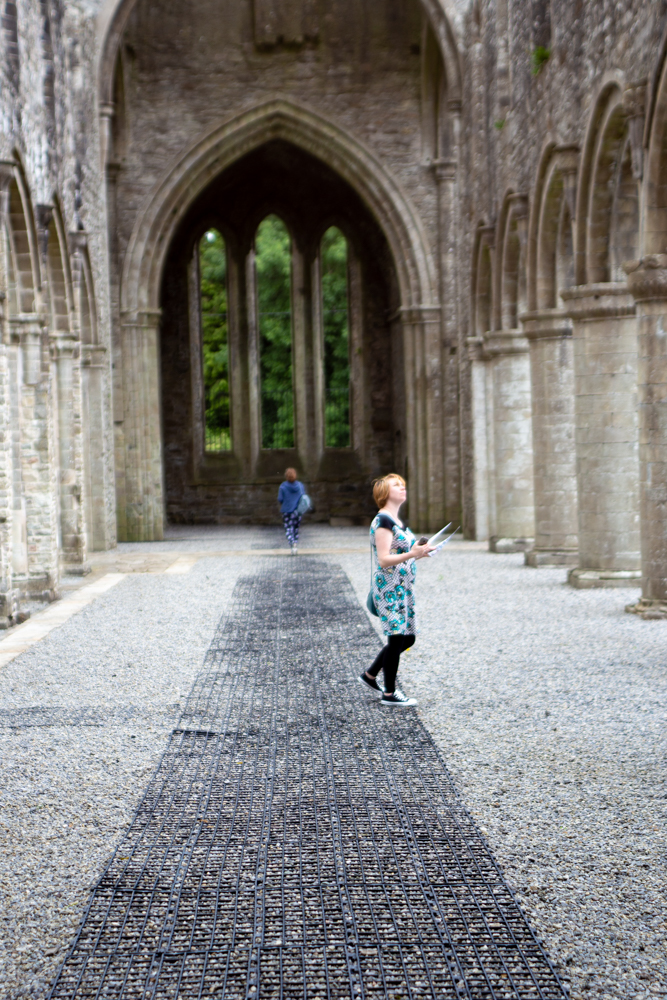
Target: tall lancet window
(215, 357)
(335, 323)
(273, 263)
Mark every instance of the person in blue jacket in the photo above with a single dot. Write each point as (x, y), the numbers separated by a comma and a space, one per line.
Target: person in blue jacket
(289, 494)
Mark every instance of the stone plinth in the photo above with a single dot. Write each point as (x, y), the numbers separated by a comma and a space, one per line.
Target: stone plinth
(514, 520)
(549, 333)
(606, 434)
(647, 281)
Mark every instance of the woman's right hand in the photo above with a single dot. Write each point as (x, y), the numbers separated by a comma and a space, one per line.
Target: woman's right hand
(419, 551)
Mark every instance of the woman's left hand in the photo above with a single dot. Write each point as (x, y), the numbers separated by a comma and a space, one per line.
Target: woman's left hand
(419, 551)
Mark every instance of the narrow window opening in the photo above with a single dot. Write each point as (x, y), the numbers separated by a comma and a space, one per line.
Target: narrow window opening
(215, 357)
(273, 264)
(336, 325)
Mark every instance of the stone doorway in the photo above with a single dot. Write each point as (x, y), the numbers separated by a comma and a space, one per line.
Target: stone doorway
(224, 467)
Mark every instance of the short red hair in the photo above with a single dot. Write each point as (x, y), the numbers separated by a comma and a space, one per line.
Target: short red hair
(381, 487)
(290, 475)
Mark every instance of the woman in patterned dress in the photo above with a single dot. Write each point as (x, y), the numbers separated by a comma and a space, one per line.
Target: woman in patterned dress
(394, 550)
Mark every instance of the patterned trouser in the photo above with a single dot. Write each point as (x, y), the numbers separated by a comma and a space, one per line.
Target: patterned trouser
(292, 522)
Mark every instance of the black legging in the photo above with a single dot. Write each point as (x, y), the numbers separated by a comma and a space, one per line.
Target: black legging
(388, 657)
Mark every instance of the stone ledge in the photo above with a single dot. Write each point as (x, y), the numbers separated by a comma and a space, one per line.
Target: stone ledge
(587, 579)
(551, 558)
(510, 544)
(648, 610)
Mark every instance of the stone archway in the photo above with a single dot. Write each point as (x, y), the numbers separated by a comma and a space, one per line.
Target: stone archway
(416, 316)
(238, 482)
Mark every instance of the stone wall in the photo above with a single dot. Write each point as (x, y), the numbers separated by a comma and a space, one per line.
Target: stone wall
(56, 504)
(508, 156)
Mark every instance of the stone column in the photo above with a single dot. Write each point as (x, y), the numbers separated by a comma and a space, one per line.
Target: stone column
(647, 281)
(93, 367)
(143, 493)
(606, 434)
(67, 358)
(549, 333)
(421, 339)
(483, 512)
(8, 593)
(38, 459)
(448, 228)
(510, 417)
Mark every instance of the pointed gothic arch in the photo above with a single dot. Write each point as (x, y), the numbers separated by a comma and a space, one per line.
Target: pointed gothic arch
(213, 153)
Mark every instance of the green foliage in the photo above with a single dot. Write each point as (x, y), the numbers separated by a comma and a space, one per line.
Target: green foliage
(273, 262)
(499, 124)
(540, 58)
(215, 359)
(333, 255)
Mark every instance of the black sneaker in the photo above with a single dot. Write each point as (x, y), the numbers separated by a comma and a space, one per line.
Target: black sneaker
(397, 700)
(371, 684)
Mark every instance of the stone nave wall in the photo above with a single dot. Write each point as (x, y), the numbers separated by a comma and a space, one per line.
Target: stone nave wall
(57, 497)
(510, 152)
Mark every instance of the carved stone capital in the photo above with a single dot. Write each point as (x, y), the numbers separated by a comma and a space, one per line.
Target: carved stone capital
(92, 355)
(606, 299)
(647, 278)
(475, 347)
(546, 324)
(500, 343)
(444, 170)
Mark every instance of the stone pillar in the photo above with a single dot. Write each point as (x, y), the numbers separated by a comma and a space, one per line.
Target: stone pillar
(448, 218)
(480, 438)
(549, 333)
(421, 338)
(510, 416)
(67, 357)
(647, 281)
(606, 434)
(8, 593)
(38, 459)
(143, 492)
(92, 391)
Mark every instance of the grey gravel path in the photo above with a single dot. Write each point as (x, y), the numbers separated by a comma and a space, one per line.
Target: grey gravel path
(549, 707)
(84, 717)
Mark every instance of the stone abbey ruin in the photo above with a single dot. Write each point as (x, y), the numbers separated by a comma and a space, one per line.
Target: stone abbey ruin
(352, 236)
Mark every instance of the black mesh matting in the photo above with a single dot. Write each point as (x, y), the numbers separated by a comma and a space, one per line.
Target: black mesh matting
(298, 840)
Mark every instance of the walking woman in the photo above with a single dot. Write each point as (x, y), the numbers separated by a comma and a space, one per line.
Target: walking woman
(289, 494)
(394, 550)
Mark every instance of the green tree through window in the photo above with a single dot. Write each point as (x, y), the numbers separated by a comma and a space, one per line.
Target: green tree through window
(215, 358)
(273, 262)
(335, 319)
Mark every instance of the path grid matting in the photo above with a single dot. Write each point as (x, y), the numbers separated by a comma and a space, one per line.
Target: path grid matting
(298, 840)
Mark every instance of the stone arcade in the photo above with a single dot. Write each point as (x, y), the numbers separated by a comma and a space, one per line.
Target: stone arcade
(497, 172)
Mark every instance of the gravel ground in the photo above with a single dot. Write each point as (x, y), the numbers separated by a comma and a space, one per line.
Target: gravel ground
(84, 717)
(548, 705)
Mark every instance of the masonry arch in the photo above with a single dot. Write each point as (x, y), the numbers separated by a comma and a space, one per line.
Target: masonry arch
(482, 280)
(655, 138)
(607, 229)
(226, 144)
(167, 213)
(203, 485)
(550, 261)
(510, 281)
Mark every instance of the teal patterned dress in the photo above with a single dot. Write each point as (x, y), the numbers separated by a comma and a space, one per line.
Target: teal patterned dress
(393, 587)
